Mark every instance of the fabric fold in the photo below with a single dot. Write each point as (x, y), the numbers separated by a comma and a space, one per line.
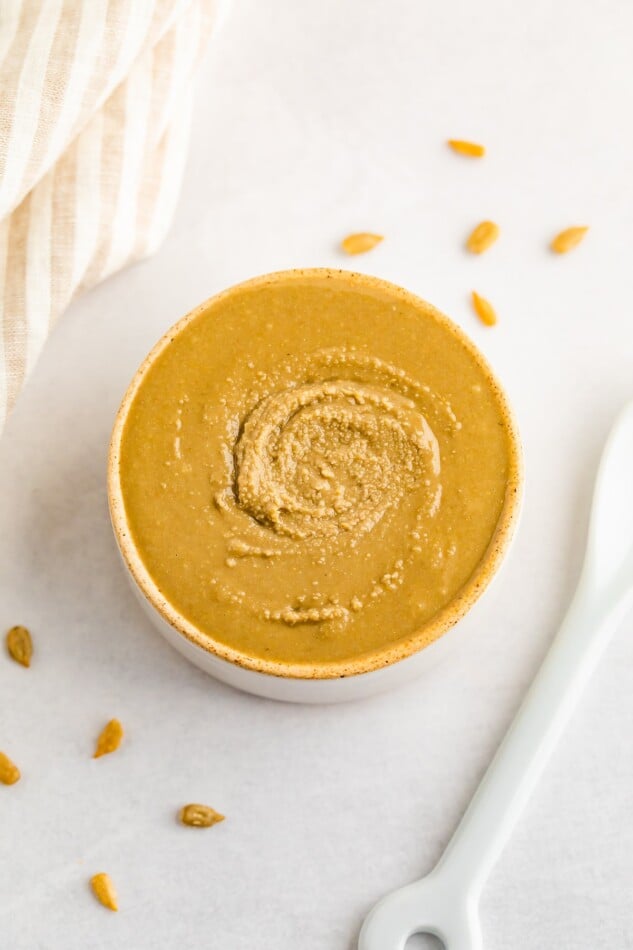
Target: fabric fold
(95, 113)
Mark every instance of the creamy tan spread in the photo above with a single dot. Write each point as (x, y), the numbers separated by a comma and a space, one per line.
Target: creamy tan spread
(312, 469)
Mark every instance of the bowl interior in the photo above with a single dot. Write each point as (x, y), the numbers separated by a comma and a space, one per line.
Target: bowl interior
(374, 659)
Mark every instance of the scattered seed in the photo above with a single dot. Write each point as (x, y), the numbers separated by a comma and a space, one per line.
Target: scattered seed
(104, 891)
(9, 772)
(483, 237)
(568, 239)
(20, 645)
(110, 738)
(200, 816)
(484, 310)
(360, 243)
(467, 148)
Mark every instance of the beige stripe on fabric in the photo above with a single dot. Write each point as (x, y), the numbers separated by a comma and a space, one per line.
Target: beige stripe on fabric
(168, 13)
(165, 63)
(14, 315)
(55, 84)
(164, 55)
(89, 42)
(9, 23)
(188, 34)
(182, 48)
(173, 60)
(99, 84)
(112, 159)
(87, 207)
(209, 14)
(28, 101)
(4, 240)
(63, 225)
(136, 36)
(138, 95)
(37, 279)
(10, 75)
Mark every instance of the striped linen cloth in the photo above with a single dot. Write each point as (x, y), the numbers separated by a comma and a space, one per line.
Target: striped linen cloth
(95, 110)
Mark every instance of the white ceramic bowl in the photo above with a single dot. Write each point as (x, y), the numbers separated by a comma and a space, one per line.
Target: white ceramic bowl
(326, 683)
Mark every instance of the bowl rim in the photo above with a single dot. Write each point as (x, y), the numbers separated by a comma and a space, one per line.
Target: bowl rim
(370, 661)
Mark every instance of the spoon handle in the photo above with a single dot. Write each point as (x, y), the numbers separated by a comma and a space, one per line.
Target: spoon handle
(522, 756)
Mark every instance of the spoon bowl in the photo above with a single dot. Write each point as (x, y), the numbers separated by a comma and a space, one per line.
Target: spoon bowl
(429, 906)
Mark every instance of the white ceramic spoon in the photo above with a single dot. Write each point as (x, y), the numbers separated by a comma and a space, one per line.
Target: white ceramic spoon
(445, 903)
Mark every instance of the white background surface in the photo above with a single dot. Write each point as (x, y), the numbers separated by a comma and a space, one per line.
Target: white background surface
(315, 119)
